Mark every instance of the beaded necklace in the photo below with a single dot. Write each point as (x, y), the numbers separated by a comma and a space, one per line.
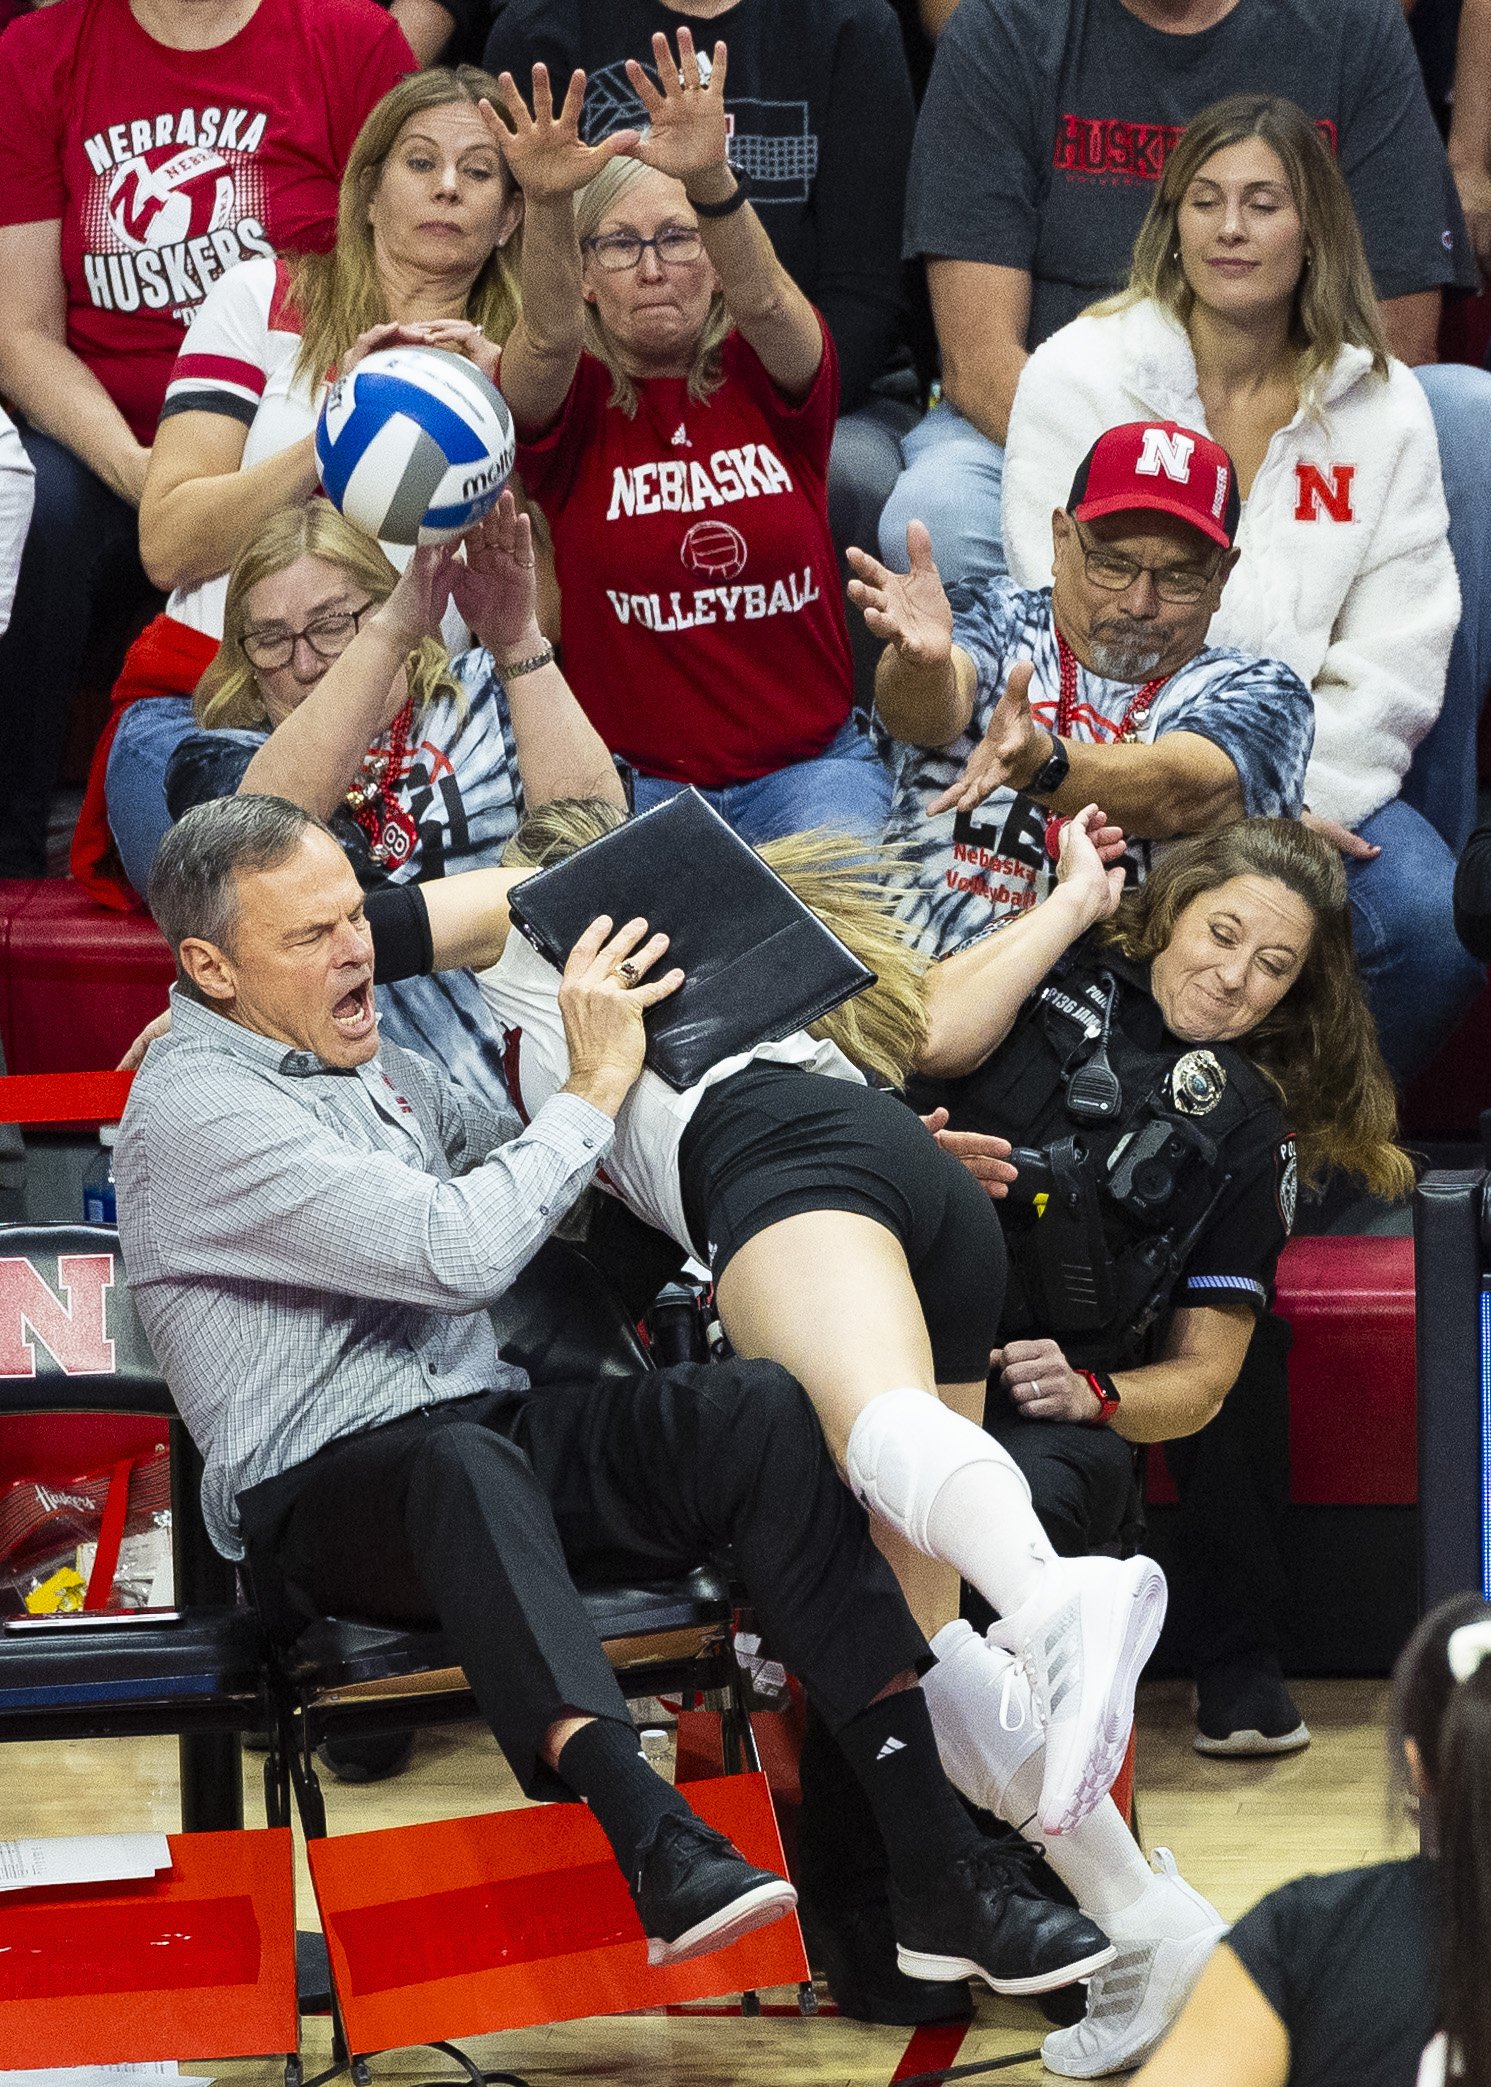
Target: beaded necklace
(392, 834)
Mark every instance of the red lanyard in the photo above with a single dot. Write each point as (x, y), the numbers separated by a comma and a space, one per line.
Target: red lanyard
(1066, 710)
(392, 834)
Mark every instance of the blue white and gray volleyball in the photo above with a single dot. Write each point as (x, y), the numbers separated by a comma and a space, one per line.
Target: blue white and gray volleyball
(414, 445)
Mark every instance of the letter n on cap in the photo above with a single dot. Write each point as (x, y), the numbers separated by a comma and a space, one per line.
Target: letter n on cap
(1167, 452)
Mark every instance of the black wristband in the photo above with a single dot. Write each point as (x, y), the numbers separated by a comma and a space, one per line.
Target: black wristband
(731, 203)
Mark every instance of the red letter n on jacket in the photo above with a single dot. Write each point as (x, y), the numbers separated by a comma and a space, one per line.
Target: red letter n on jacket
(1315, 491)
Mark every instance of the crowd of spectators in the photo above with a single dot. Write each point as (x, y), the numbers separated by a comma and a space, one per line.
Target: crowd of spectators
(935, 423)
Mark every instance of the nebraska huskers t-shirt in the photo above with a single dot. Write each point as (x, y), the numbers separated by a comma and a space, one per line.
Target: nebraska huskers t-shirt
(166, 167)
(703, 629)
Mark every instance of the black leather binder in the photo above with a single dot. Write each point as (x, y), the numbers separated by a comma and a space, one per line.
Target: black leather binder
(757, 963)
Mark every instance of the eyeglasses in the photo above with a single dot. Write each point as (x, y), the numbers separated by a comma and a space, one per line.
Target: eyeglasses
(328, 637)
(1115, 573)
(675, 246)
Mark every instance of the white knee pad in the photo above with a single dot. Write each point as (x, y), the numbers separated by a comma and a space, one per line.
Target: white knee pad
(903, 1449)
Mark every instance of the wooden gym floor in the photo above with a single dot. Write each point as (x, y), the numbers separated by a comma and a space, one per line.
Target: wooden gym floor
(1238, 1829)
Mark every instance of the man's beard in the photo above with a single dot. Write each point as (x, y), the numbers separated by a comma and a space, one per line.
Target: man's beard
(1125, 652)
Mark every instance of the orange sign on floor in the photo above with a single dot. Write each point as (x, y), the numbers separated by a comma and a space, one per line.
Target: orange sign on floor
(197, 1961)
(515, 1918)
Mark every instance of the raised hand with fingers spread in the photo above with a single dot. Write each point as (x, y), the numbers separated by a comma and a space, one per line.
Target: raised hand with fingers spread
(686, 112)
(544, 150)
(909, 610)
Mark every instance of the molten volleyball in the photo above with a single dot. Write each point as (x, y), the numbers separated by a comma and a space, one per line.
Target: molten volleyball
(414, 445)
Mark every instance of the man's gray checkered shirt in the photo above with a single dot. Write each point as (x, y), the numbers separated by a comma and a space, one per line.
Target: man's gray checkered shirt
(311, 1250)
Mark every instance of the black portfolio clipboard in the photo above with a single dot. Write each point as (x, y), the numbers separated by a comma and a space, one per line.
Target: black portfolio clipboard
(757, 963)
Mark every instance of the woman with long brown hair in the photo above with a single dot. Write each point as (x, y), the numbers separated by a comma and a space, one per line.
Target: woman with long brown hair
(426, 220)
(1249, 314)
(1174, 1071)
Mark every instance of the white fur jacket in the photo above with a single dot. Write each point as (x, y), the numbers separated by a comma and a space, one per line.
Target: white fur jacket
(1345, 570)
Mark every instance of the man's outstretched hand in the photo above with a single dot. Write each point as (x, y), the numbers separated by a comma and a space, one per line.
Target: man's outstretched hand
(906, 609)
(1013, 747)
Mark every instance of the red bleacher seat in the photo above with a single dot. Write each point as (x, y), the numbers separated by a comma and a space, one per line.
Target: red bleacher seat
(78, 982)
(1352, 1417)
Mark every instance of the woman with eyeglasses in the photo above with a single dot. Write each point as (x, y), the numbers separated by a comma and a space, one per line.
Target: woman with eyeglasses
(332, 688)
(675, 396)
(1249, 314)
(424, 224)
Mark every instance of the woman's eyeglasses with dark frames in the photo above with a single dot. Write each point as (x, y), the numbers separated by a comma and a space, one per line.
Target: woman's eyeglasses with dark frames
(328, 637)
(617, 252)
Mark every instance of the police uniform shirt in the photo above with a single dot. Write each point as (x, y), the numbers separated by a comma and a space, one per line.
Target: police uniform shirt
(975, 870)
(1235, 1256)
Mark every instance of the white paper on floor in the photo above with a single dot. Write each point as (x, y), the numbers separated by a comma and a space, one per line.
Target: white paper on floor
(81, 1858)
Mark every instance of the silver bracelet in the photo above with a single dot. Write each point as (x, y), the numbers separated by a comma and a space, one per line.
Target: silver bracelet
(528, 666)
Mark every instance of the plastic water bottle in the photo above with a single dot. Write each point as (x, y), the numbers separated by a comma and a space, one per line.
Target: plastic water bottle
(99, 1205)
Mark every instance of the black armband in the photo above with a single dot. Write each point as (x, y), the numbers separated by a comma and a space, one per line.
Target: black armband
(403, 946)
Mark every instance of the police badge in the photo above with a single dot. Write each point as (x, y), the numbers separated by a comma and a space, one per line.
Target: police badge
(1196, 1083)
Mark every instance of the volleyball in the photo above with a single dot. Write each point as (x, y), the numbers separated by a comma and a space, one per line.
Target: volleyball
(185, 196)
(414, 445)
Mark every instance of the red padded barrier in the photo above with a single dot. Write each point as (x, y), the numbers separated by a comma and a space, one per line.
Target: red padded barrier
(77, 982)
(1352, 1408)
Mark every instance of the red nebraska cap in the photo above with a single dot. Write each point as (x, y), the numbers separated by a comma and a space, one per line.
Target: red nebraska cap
(1160, 465)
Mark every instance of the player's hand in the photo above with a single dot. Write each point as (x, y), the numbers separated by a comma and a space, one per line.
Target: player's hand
(986, 1158)
(1087, 849)
(1011, 751)
(909, 610)
(603, 996)
(544, 150)
(1042, 1383)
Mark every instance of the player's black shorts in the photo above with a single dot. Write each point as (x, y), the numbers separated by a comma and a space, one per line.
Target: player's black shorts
(771, 1142)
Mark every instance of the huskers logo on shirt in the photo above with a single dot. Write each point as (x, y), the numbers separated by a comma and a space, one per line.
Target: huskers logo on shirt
(175, 200)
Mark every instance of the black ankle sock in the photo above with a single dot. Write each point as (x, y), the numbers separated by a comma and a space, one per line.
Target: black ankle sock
(891, 1750)
(605, 1767)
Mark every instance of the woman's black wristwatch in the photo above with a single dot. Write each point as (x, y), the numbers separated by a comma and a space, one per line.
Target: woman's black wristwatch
(731, 203)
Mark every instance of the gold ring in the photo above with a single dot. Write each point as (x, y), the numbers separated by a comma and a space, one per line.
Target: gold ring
(627, 972)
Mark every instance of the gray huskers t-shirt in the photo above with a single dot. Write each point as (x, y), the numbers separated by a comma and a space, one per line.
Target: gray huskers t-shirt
(1047, 122)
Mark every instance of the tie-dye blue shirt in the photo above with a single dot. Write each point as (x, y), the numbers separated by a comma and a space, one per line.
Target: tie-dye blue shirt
(973, 871)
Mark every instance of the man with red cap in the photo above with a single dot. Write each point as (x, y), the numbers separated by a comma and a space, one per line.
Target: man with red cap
(1014, 708)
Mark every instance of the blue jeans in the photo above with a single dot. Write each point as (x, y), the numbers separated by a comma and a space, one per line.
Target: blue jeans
(1441, 783)
(1418, 979)
(83, 539)
(846, 788)
(135, 780)
(954, 482)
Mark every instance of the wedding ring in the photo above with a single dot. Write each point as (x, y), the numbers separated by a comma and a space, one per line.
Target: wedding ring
(627, 972)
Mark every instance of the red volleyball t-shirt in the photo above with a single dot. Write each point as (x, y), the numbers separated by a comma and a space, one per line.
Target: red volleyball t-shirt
(703, 625)
(165, 167)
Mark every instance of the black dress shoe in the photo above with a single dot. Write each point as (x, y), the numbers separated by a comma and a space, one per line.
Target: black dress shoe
(1243, 1709)
(987, 1920)
(695, 1892)
(854, 1946)
(366, 1757)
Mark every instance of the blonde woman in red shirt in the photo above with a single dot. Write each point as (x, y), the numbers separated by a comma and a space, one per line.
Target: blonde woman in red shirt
(675, 396)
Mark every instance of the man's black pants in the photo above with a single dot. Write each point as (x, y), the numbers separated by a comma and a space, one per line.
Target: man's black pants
(1225, 1562)
(480, 1514)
